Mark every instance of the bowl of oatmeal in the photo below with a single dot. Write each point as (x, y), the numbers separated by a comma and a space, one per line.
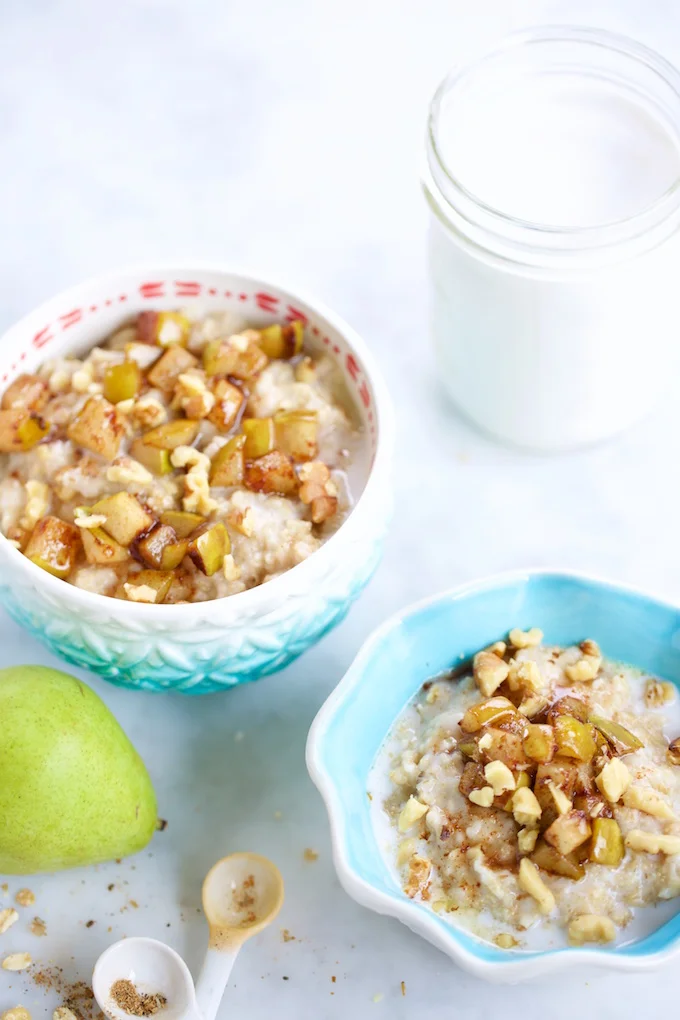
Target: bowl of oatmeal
(514, 791)
(194, 475)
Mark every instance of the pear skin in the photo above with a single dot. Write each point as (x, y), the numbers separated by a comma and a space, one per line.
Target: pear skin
(73, 790)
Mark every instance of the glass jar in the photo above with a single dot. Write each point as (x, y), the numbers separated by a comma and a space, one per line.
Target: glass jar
(553, 179)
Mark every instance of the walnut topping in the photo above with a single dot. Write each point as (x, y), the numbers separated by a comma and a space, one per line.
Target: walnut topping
(613, 780)
(648, 802)
(193, 396)
(8, 917)
(16, 1013)
(591, 928)
(140, 592)
(526, 809)
(126, 471)
(499, 777)
(418, 876)
(483, 797)
(37, 504)
(489, 672)
(412, 812)
(25, 898)
(658, 693)
(532, 883)
(525, 638)
(652, 842)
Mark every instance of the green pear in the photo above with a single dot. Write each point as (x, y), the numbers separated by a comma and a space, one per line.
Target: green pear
(73, 790)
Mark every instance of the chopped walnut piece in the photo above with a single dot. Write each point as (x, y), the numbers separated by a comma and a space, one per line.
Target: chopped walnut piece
(591, 928)
(16, 1013)
(524, 676)
(37, 504)
(63, 1013)
(412, 811)
(658, 693)
(140, 592)
(148, 412)
(525, 638)
(25, 898)
(560, 799)
(526, 839)
(483, 797)
(230, 569)
(532, 883)
(585, 669)
(499, 777)
(526, 809)
(648, 802)
(613, 780)
(418, 876)
(489, 672)
(652, 842)
(323, 508)
(505, 941)
(193, 396)
(127, 471)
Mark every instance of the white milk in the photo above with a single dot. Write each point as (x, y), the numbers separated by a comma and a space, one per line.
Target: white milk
(554, 250)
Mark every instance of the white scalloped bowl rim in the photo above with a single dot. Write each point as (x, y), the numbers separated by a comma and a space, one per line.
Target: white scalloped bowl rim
(299, 575)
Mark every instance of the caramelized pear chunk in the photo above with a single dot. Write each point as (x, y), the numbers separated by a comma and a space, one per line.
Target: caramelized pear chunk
(236, 356)
(273, 473)
(156, 582)
(98, 428)
(228, 464)
(568, 831)
(155, 460)
(150, 548)
(296, 434)
(126, 518)
(208, 547)
(539, 743)
(282, 340)
(472, 778)
(563, 775)
(551, 860)
(486, 712)
(100, 548)
(568, 706)
(122, 382)
(169, 366)
(173, 554)
(163, 328)
(53, 546)
(229, 400)
(26, 393)
(20, 430)
(606, 846)
(183, 522)
(574, 739)
(179, 432)
(505, 746)
(260, 437)
(620, 739)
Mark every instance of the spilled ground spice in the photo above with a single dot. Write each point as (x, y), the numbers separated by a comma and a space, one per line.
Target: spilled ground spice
(126, 996)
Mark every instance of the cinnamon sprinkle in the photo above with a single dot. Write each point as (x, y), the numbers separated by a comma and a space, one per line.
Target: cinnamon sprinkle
(126, 996)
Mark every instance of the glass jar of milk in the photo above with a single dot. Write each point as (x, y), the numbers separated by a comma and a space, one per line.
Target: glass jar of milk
(553, 178)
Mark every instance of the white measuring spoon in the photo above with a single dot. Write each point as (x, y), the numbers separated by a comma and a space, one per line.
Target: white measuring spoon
(242, 894)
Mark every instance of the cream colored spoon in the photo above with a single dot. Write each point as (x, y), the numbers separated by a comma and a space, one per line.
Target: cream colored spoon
(242, 894)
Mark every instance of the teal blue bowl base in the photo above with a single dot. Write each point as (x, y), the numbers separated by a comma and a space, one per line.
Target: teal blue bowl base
(629, 626)
(210, 671)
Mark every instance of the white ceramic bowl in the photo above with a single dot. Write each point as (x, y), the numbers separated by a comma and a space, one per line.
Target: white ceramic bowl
(209, 645)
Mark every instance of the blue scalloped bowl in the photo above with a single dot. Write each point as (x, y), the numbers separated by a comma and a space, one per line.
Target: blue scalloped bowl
(426, 639)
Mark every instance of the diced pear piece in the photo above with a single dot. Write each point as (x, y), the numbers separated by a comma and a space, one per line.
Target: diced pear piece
(179, 432)
(539, 743)
(183, 522)
(126, 518)
(20, 430)
(606, 846)
(568, 706)
(53, 546)
(282, 340)
(229, 400)
(169, 366)
(160, 581)
(574, 739)
(98, 428)
(173, 554)
(547, 858)
(260, 436)
(209, 546)
(242, 361)
(228, 464)
(150, 548)
(621, 739)
(163, 328)
(484, 713)
(568, 831)
(155, 460)
(122, 382)
(26, 393)
(101, 548)
(273, 473)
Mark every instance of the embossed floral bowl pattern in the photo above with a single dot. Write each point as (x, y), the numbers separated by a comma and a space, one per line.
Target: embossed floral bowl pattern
(214, 645)
(426, 639)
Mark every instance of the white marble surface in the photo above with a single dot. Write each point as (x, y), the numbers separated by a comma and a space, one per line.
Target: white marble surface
(286, 137)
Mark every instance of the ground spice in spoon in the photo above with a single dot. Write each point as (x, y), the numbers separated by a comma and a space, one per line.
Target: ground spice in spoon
(127, 998)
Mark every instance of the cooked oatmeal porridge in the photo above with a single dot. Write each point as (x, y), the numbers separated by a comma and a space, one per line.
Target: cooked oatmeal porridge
(536, 787)
(185, 458)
